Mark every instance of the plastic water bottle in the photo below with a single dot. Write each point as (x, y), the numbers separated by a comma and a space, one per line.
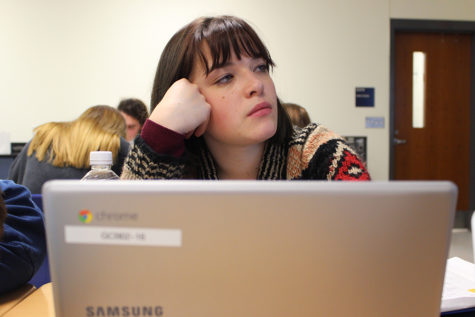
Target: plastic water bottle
(101, 163)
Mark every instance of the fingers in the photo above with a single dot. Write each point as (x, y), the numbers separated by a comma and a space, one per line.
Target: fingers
(183, 109)
(199, 131)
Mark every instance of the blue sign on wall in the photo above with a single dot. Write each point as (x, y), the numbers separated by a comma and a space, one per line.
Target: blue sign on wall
(364, 97)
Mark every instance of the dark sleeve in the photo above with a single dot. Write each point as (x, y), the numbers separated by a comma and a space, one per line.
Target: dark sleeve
(162, 140)
(23, 247)
(123, 151)
(17, 169)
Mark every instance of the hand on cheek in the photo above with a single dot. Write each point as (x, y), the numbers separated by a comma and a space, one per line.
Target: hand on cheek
(183, 109)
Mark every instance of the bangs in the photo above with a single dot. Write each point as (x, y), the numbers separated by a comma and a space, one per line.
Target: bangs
(225, 35)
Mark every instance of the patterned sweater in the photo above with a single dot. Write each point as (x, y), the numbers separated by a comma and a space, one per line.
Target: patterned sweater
(314, 152)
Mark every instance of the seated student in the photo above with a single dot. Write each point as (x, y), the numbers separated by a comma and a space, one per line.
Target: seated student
(298, 115)
(60, 150)
(135, 113)
(216, 115)
(22, 236)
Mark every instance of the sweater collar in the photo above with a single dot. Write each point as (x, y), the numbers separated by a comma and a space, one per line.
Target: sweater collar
(272, 166)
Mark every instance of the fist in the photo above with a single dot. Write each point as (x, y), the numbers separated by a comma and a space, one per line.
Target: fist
(183, 109)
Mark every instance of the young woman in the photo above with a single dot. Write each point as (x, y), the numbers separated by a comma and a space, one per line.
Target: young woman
(60, 150)
(216, 115)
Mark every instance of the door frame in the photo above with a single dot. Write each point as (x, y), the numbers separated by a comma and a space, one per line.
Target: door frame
(409, 25)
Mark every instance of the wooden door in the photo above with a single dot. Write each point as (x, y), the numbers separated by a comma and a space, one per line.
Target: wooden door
(441, 149)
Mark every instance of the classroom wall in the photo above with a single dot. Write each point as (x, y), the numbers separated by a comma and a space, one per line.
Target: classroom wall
(59, 57)
(457, 10)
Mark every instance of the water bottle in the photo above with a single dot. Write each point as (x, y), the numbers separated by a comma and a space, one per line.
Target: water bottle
(101, 163)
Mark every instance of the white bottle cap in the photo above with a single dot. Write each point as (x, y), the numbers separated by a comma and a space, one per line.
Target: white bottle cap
(100, 158)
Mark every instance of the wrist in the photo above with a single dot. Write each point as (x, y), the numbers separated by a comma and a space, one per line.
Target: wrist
(162, 139)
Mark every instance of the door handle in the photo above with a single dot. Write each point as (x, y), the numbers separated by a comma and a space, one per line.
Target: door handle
(397, 141)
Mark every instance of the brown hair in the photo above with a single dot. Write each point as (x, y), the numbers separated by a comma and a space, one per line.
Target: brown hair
(298, 115)
(134, 108)
(224, 35)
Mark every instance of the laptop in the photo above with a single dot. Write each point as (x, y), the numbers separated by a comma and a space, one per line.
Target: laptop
(248, 248)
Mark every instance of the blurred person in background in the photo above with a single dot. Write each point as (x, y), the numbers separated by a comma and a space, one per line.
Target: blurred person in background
(298, 115)
(135, 113)
(60, 150)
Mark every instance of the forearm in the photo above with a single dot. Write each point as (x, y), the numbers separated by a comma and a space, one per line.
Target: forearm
(156, 154)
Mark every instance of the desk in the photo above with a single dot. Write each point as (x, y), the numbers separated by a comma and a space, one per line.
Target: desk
(38, 303)
(29, 301)
(10, 300)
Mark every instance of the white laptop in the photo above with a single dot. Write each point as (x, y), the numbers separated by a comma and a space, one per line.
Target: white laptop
(248, 248)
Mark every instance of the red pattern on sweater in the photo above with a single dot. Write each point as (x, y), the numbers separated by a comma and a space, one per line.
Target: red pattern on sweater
(351, 168)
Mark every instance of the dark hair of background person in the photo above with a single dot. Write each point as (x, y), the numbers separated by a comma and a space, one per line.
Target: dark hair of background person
(298, 115)
(134, 108)
(224, 35)
(3, 213)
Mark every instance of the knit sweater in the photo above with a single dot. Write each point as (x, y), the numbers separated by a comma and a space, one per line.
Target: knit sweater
(313, 152)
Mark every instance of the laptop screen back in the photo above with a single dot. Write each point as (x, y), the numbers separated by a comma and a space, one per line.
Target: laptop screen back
(248, 248)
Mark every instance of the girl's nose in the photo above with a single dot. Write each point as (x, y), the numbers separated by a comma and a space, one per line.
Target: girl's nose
(255, 86)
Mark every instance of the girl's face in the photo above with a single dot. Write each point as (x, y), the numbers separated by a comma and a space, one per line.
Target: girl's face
(242, 98)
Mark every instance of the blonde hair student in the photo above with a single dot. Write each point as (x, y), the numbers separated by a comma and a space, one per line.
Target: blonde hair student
(216, 115)
(60, 150)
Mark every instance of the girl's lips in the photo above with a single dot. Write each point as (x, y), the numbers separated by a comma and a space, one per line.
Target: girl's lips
(260, 109)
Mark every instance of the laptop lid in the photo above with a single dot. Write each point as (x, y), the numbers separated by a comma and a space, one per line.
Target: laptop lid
(248, 248)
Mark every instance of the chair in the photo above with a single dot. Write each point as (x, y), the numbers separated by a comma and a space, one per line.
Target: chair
(42, 276)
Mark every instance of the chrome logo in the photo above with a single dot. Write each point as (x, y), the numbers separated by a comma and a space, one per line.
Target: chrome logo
(85, 216)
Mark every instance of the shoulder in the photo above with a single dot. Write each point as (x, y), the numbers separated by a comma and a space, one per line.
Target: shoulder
(12, 190)
(316, 152)
(313, 135)
(307, 141)
(24, 215)
(18, 198)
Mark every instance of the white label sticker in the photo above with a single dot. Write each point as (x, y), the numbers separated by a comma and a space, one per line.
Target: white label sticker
(123, 236)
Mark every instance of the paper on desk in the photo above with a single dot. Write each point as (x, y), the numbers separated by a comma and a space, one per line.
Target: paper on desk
(459, 285)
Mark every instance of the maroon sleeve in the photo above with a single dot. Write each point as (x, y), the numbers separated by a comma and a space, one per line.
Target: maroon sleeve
(163, 140)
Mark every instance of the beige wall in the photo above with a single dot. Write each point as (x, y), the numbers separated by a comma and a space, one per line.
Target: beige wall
(458, 10)
(59, 57)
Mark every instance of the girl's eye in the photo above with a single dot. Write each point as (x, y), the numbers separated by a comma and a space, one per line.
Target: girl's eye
(262, 68)
(224, 79)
